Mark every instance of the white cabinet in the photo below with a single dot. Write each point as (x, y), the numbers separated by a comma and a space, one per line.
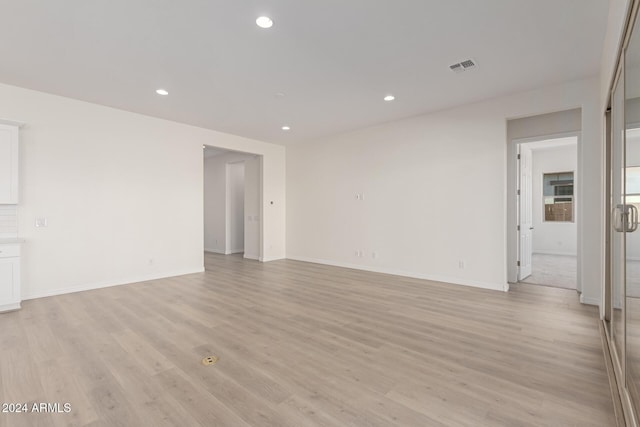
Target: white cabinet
(9, 277)
(8, 163)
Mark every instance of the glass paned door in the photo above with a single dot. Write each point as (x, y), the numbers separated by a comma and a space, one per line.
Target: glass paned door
(632, 205)
(617, 237)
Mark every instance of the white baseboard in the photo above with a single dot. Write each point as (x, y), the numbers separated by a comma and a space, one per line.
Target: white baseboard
(10, 307)
(236, 251)
(554, 253)
(215, 251)
(107, 284)
(219, 251)
(436, 278)
(250, 256)
(268, 259)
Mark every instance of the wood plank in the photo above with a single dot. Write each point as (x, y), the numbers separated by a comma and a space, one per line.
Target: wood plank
(302, 344)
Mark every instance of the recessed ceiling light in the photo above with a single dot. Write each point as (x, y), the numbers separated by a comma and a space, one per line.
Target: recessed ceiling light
(286, 128)
(389, 98)
(264, 22)
(162, 92)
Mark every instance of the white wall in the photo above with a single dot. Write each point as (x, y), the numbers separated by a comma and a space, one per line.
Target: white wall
(252, 207)
(434, 191)
(215, 233)
(235, 205)
(118, 189)
(217, 205)
(557, 238)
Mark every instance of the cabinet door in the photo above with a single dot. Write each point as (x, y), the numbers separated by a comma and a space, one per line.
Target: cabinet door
(9, 281)
(8, 164)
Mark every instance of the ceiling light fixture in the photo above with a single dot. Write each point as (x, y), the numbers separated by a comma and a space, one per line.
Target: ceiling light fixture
(264, 22)
(389, 98)
(162, 92)
(286, 128)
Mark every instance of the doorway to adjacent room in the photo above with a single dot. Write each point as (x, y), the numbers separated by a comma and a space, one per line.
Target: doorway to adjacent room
(547, 211)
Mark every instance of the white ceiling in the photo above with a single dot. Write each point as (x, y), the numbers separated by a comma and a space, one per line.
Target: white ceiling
(333, 59)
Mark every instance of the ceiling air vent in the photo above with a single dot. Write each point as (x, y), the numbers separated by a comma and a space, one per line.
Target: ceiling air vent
(456, 67)
(465, 65)
(468, 64)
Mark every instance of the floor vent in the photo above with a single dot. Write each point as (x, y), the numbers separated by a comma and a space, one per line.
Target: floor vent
(209, 360)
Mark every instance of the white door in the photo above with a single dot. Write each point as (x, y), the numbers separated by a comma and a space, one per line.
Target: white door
(525, 212)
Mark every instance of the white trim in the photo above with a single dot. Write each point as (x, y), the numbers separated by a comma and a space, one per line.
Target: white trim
(436, 278)
(236, 251)
(107, 284)
(268, 259)
(560, 135)
(10, 122)
(253, 257)
(10, 307)
(555, 253)
(214, 251)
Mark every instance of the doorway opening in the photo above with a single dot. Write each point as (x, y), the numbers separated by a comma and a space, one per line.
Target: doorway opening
(547, 231)
(232, 202)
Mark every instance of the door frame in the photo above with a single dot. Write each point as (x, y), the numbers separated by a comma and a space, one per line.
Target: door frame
(521, 228)
(261, 229)
(513, 209)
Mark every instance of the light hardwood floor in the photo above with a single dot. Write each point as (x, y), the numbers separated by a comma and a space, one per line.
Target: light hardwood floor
(305, 345)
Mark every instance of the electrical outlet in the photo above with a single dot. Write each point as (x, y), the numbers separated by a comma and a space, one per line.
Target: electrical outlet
(374, 255)
(461, 264)
(151, 261)
(41, 222)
